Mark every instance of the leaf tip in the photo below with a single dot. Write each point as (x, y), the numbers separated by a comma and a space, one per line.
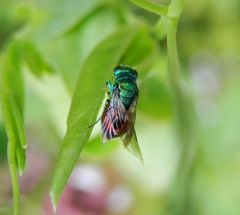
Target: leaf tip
(24, 146)
(141, 160)
(20, 172)
(137, 154)
(54, 201)
(140, 157)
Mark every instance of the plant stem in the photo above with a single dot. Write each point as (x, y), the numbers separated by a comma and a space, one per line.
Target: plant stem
(180, 198)
(175, 9)
(174, 66)
(173, 59)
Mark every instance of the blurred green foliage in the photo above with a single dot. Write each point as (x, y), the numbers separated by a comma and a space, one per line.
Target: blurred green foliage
(3, 140)
(47, 54)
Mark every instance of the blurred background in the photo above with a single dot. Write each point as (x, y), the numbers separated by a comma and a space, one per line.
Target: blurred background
(107, 179)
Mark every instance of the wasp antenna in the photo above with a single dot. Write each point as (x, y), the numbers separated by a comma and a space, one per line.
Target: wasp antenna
(90, 126)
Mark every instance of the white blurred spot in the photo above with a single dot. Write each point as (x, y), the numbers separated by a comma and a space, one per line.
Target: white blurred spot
(119, 199)
(205, 74)
(88, 178)
(206, 81)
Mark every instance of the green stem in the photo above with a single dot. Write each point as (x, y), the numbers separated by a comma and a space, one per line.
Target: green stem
(173, 61)
(181, 196)
(174, 66)
(175, 9)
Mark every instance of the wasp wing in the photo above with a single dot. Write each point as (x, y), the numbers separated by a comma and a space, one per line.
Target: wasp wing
(130, 138)
(114, 118)
(134, 148)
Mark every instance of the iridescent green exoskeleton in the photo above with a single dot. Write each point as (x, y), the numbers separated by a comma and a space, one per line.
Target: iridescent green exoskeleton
(118, 117)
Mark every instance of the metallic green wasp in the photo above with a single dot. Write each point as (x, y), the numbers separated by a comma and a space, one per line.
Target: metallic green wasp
(118, 117)
(119, 114)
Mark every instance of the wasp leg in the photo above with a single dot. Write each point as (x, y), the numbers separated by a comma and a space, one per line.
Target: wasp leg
(90, 126)
(109, 86)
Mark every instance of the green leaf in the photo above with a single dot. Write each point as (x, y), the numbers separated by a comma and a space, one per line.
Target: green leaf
(10, 75)
(142, 52)
(151, 6)
(86, 102)
(3, 143)
(21, 158)
(160, 29)
(79, 44)
(34, 59)
(12, 101)
(19, 124)
(11, 149)
(90, 12)
(12, 89)
(58, 17)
